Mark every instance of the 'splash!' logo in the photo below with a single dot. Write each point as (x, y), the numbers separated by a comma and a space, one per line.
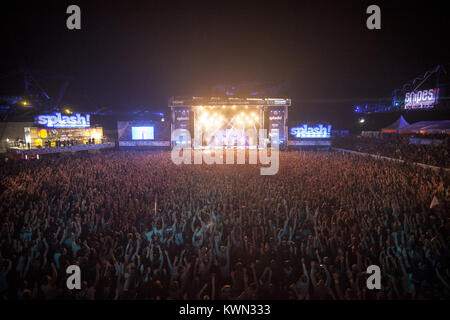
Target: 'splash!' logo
(59, 121)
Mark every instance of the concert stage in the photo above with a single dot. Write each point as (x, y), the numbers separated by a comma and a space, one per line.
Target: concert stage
(224, 121)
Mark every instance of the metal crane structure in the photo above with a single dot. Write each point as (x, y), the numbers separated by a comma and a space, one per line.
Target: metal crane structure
(436, 77)
(34, 98)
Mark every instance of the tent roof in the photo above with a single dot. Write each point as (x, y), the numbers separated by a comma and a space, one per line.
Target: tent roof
(428, 126)
(400, 123)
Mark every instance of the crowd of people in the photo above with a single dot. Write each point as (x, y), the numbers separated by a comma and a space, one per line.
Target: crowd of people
(400, 147)
(141, 227)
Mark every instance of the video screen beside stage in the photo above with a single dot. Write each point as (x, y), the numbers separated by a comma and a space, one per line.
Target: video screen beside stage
(141, 133)
(310, 135)
(305, 131)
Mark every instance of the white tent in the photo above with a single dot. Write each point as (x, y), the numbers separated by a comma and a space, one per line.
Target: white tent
(442, 126)
(396, 126)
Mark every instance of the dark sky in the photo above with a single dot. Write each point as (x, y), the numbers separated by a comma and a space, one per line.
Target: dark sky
(131, 54)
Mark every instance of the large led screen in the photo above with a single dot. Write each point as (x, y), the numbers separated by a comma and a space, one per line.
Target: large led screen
(142, 133)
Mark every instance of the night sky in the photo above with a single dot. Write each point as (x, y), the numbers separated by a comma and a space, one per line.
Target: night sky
(137, 54)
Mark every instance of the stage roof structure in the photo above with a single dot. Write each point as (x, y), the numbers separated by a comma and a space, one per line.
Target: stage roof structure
(227, 101)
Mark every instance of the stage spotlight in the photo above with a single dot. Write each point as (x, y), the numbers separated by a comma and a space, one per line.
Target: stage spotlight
(204, 119)
(204, 115)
